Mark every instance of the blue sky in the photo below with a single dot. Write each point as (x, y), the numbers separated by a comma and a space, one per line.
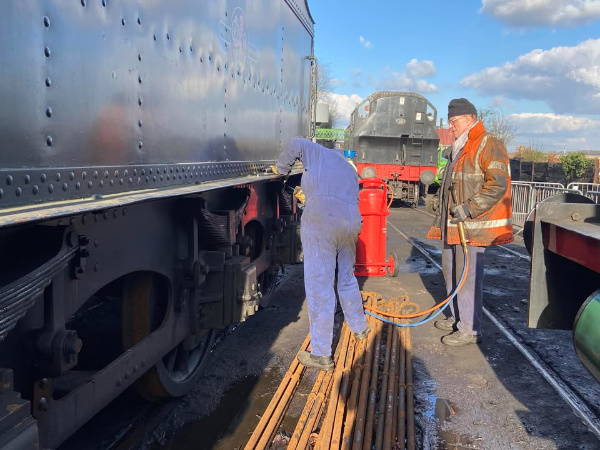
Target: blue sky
(537, 61)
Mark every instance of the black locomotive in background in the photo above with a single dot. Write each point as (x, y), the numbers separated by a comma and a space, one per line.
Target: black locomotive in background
(135, 218)
(395, 140)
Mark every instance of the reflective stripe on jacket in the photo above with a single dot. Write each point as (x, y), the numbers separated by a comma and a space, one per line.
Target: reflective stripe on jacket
(481, 179)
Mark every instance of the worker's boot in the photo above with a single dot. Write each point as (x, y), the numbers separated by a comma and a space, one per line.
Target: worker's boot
(458, 339)
(448, 324)
(363, 334)
(318, 362)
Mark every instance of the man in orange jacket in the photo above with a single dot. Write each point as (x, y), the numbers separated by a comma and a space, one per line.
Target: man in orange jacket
(475, 190)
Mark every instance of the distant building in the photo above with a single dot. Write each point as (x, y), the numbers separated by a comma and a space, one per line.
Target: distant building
(446, 137)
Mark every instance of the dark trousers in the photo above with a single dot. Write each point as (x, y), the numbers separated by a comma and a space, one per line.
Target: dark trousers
(467, 306)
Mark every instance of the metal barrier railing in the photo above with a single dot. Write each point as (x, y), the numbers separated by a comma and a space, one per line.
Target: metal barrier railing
(591, 190)
(526, 194)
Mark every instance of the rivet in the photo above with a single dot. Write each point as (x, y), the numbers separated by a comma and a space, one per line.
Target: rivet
(191, 48)
(112, 183)
(154, 36)
(130, 180)
(78, 185)
(90, 184)
(101, 183)
(147, 179)
(140, 123)
(47, 52)
(125, 172)
(139, 21)
(51, 188)
(72, 176)
(116, 173)
(83, 175)
(140, 145)
(95, 174)
(210, 57)
(143, 172)
(46, 21)
(49, 141)
(1, 192)
(139, 57)
(83, 3)
(140, 101)
(48, 112)
(18, 192)
(140, 79)
(123, 21)
(154, 178)
(104, 3)
(162, 178)
(180, 49)
(168, 36)
(43, 177)
(121, 181)
(57, 176)
(65, 186)
(48, 82)
(135, 171)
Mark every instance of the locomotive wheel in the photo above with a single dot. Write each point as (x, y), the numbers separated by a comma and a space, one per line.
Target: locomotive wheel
(392, 265)
(143, 311)
(267, 282)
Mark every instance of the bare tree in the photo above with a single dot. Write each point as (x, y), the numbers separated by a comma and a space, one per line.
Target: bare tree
(498, 124)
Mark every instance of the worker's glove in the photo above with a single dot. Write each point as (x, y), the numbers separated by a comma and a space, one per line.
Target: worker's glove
(460, 213)
(299, 195)
(274, 169)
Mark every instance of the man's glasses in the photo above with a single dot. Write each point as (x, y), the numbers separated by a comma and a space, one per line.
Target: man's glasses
(451, 121)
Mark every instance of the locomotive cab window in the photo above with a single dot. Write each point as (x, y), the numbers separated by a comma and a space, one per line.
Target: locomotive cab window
(364, 109)
(431, 113)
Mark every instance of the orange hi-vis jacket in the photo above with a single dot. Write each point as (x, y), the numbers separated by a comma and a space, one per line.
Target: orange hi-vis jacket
(481, 179)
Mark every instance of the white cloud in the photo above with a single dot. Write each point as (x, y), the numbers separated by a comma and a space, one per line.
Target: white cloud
(398, 81)
(558, 13)
(557, 132)
(366, 44)
(566, 78)
(345, 105)
(420, 69)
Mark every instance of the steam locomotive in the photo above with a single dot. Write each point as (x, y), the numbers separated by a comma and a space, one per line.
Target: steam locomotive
(135, 214)
(394, 137)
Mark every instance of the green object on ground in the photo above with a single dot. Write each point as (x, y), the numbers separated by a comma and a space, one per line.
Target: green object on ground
(586, 334)
(330, 134)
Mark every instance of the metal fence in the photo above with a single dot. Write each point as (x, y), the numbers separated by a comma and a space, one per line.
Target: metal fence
(526, 194)
(591, 190)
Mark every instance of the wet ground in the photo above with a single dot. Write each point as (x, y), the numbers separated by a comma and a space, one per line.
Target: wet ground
(485, 396)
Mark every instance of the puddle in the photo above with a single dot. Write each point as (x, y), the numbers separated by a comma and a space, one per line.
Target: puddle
(416, 265)
(231, 424)
(441, 411)
(446, 439)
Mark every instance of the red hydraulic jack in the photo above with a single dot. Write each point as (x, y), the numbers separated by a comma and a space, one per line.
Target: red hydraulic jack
(371, 245)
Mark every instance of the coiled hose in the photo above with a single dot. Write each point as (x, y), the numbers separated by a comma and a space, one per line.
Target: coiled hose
(441, 306)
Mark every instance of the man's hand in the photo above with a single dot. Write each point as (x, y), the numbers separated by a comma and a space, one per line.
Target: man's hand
(460, 213)
(299, 194)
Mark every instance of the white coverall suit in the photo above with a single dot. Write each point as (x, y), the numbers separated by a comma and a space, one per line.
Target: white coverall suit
(330, 226)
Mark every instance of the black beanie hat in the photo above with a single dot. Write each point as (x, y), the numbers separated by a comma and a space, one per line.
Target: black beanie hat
(460, 107)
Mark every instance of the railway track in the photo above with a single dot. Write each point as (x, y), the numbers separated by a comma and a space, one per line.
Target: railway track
(579, 405)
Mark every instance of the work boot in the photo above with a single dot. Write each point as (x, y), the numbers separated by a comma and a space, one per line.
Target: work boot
(458, 339)
(363, 334)
(448, 324)
(318, 362)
